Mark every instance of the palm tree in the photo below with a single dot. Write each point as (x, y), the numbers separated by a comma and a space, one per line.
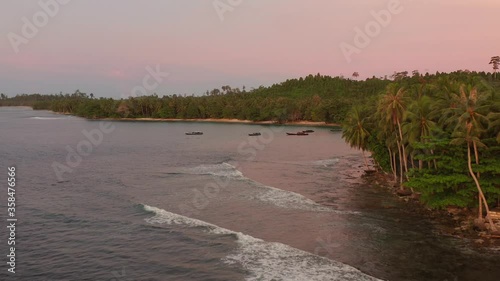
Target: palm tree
(393, 148)
(355, 75)
(392, 109)
(385, 134)
(495, 61)
(354, 130)
(494, 125)
(420, 124)
(469, 126)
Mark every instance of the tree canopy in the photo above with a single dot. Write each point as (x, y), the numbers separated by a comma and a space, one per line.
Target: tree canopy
(438, 134)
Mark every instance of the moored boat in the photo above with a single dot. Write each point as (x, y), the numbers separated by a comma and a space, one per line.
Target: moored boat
(298, 134)
(254, 134)
(308, 131)
(195, 133)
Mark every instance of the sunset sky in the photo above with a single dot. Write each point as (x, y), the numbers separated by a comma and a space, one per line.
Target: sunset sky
(104, 47)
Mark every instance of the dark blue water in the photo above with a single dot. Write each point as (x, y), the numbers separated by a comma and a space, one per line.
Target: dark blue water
(147, 202)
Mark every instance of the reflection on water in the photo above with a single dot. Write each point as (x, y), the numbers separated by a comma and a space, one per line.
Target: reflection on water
(296, 194)
(387, 240)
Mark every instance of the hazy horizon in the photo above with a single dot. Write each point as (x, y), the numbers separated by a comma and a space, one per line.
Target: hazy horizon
(105, 47)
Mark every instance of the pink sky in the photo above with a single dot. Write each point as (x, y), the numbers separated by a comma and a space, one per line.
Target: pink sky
(104, 46)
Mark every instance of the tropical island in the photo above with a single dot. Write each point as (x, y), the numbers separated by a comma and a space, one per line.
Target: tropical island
(437, 136)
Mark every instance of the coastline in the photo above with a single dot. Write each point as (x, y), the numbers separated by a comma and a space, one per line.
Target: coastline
(451, 222)
(222, 120)
(201, 120)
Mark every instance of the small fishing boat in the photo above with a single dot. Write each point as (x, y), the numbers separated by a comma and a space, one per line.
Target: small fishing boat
(195, 133)
(308, 131)
(298, 134)
(254, 134)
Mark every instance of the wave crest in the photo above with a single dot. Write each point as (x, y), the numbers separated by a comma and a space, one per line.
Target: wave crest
(269, 194)
(219, 170)
(268, 260)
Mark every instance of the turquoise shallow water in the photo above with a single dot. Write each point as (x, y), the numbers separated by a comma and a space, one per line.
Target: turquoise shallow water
(150, 203)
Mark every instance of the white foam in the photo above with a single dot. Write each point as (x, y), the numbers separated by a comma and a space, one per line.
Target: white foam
(48, 118)
(278, 197)
(290, 200)
(165, 217)
(269, 260)
(326, 162)
(276, 261)
(219, 170)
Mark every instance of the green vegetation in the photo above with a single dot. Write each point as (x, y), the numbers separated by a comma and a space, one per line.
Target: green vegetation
(438, 135)
(313, 98)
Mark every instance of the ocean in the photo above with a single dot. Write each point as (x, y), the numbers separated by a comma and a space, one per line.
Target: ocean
(123, 201)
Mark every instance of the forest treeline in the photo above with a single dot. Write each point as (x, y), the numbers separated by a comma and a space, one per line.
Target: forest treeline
(313, 98)
(439, 138)
(437, 134)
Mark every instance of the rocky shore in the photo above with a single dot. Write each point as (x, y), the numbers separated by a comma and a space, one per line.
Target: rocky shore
(460, 223)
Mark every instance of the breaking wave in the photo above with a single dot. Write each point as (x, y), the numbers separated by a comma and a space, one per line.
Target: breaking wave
(272, 195)
(326, 162)
(267, 260)
(48, 118)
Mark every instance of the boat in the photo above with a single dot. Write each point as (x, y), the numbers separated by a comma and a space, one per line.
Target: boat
(195, 133)
(298, 134)
(308, 131)
(254, 134)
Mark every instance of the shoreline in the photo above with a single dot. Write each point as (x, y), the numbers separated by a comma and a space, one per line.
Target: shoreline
(214, 120)
(453, 222)
(199, 120)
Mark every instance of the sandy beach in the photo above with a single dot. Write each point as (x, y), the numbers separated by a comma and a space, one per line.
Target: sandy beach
(235, 121)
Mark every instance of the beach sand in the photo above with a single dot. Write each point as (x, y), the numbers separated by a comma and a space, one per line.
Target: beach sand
(236, 121)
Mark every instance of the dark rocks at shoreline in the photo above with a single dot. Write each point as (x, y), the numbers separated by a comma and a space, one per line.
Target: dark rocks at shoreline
(453, 222)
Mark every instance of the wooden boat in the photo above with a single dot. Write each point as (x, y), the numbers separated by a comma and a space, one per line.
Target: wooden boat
(195, 133)
(308, 131)
(298, 134)
(254, 134)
